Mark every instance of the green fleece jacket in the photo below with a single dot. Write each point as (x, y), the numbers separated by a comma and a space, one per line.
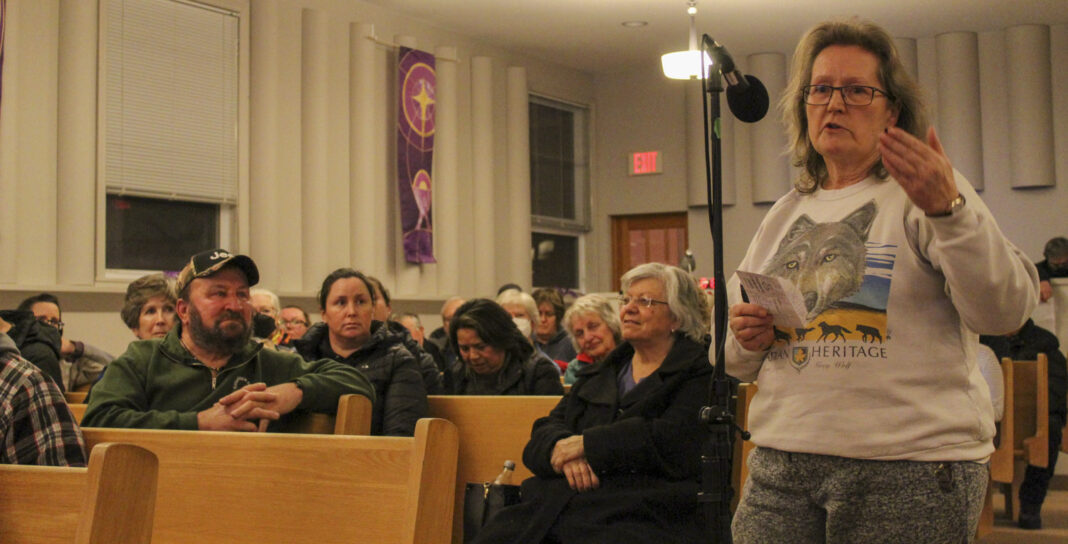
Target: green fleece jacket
(158, 384)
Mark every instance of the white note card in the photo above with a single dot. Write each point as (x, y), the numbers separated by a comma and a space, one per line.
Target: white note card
(778, 295)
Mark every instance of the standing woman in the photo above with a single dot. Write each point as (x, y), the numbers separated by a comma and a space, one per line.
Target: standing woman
(494, 357)
(873, 423)
(348, 334)
(592, 324)
(617, 460)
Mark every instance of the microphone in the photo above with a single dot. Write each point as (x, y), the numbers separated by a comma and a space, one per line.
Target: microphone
(747, 97)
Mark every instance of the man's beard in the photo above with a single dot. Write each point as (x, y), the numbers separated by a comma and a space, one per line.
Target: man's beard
(214, 339)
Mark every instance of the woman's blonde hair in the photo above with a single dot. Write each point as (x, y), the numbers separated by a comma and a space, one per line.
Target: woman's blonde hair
(904, 93)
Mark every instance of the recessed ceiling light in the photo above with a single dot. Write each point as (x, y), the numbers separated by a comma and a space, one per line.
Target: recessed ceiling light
(634, 24)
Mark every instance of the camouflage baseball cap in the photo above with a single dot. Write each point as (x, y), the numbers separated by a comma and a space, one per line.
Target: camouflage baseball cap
(206, 263)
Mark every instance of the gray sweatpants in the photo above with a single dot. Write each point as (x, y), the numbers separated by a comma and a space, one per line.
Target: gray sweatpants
(805, 498)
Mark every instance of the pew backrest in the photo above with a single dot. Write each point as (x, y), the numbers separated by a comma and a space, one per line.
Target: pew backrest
(739, 462)
(1031, 410)
(217, 487)
(1002, 463)
(492, 429)
(77, 410)
(110, 502)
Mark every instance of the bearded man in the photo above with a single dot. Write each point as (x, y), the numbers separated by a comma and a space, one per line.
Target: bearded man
(207, 373)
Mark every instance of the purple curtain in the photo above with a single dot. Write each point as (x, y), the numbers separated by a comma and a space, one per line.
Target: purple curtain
(416, 81)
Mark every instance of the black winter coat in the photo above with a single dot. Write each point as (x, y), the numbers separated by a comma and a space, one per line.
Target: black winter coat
(38, 343)
(387, 364)
(1025, 345)
(427, 367)
(644, 448)
(536, 375)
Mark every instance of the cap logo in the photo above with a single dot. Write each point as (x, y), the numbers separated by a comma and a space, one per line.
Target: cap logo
(219, 255)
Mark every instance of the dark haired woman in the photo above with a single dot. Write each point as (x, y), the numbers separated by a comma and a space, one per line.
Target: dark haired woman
(348, 334)
(494, 356)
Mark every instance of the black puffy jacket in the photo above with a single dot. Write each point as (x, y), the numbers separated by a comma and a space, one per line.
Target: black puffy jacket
(388, 365)
(38, 343)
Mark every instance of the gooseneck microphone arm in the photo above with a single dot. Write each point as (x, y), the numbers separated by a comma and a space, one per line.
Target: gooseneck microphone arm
(716, 491)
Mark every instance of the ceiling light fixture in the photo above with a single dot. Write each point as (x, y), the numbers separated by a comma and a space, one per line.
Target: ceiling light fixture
(686, 64)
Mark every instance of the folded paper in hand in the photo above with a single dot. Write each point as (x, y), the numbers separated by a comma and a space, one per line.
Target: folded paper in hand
(778, 295)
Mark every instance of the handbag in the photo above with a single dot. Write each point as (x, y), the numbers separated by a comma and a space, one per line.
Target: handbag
(482, 501)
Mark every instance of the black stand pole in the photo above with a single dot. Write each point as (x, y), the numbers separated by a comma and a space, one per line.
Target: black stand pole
(716, 491)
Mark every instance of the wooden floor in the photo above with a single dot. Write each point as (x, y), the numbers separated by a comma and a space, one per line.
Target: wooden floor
(1054, 520)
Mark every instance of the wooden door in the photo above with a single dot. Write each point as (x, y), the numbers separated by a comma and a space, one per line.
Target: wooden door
(647, 238)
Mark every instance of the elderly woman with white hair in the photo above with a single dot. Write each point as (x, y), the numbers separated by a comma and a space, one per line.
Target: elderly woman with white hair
(523, 309)
(594, 328)
(618, 458)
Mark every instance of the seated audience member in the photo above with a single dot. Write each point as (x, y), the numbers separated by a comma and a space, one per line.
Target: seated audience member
(207, 373)
(349, 334)
(39, 343)
(618, 459)
(594, 327)
(440, 335)
(149, 306)
(414, 325)
(1055, 265)
(295, 322)
(382, 312)
(1024, 345)
(266, 303)
(80, 363)
(38, 428)
(523, 309)
(549, 336)
(494, 356)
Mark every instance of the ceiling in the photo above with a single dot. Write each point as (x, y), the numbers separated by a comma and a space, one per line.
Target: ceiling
(588, 34)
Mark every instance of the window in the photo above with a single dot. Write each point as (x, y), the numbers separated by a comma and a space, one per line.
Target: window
(169, 79)
(559, 182)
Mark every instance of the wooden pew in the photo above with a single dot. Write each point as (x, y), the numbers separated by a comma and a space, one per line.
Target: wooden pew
(353, 417)
(110, 502)
(1002, 461)
(492, 429)
(76, 396)
(1030, 422)
(739, 463)
(217, 487)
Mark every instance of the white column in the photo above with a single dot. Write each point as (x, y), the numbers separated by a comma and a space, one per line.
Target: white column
(263, 140)
(361, 166)
(518, 142)
(770, 169)
(36, 164)
(484, 200)
(76, 149)
(288, 153)
(314, 99)
(1030, 105)
(446, 191)
(960, 123)
(906, 51)
(408, 275)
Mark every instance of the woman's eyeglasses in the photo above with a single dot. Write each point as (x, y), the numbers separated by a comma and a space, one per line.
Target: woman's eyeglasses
(57, 324)
(643, 301)
(852, 95)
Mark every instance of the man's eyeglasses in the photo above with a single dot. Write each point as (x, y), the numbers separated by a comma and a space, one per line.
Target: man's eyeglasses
(52, 323)
(643, 301)
(853, 95)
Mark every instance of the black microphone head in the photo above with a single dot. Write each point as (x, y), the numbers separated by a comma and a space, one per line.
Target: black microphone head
(748, 104)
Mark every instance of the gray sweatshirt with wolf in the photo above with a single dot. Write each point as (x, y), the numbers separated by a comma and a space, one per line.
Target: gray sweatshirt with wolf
(885, 366)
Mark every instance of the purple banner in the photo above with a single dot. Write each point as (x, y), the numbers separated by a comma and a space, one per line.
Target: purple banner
(415, 151)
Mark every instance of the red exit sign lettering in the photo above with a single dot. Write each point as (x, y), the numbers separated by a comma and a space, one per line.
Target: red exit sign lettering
(644, 163)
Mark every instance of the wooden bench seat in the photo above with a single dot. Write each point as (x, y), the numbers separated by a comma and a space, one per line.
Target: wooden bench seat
(110, 502)
(218, 487)
(492, 429)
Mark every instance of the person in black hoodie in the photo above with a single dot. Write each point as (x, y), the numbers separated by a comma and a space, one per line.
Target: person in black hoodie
(38, 343)
(1025, 345)
(382, 311)
(495, 358)
(349, 334)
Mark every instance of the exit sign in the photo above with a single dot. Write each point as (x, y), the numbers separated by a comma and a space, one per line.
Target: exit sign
(644, 163)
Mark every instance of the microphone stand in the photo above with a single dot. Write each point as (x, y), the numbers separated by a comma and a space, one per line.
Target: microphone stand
(716, 491)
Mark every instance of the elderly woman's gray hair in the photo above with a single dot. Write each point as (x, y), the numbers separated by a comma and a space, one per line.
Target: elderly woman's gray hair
(519, 298)
(1056, 248)
(141, 291)
(682, 293)
(902, 90)
(597, 305)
